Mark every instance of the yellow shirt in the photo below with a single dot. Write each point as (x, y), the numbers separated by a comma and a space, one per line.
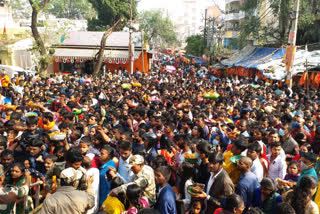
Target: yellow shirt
(231, 168)
(112, 205)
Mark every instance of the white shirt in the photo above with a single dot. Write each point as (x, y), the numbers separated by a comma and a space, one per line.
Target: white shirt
(277, 168)
(257, 169)
(187, 199)
(94, 172)
(211, 181)
(124, 172)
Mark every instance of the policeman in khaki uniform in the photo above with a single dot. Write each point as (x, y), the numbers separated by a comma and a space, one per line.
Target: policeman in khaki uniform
(144, 177)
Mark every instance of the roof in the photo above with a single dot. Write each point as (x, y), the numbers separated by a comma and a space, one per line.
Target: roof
(261, 56)
(93, 39)
(245, 52)
(80, 54)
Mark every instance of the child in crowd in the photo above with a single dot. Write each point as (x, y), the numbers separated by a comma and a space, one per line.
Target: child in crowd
(115, 205)
(293, 172)
(136, 202)
(86, 149)
(49, 161)
(196, 207)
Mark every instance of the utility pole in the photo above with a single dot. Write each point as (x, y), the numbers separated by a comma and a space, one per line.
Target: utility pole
(291, 49)
(130, 41)
(205, 32)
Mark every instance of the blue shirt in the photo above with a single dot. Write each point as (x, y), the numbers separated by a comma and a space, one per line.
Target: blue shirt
(246, 188)
(310, 171)
(104, 187)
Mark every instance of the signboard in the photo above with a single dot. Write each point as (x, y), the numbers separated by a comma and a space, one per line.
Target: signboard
(290, 53)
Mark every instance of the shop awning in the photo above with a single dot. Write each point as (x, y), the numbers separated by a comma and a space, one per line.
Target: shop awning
(89, 54)
(260, 56)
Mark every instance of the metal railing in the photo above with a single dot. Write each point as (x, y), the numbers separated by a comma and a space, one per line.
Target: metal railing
(37, 198)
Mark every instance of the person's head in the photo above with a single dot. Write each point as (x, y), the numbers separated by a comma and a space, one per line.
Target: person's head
(86, 163)
(85, 144)
(244, 164)
(35, 147)
(308, 160)
(275, 149)
(273, 136)
(196, 207)
(69, 176)
(32, 123)
(267, 187)
(93, 120)
(254, 151)
(125, 149)
(74, 158)
(116, 182)
(162, 175)
(3, 144)
(242, 125)
(107, 153)
(47, 117)
(234, 204)
(17, 171)
(203, 149)
(49, 161)
(187, 170)
(284, 208)
(293, 168)
(303, 194)
(134, 193)
(7, 158)
(215, 162)
(136, 163)
(238, 146)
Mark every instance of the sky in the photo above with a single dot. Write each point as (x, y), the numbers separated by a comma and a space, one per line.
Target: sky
(155, 4)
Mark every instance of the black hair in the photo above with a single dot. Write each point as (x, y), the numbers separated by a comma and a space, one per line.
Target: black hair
(166, 143)
(64, 125)
(240, 143)
(301, 195)
(110, 150)
(36, 142)
(134, 193)
(6, 152)
(275, 144)
(216, 157)
(86, 140)
(268, 184)
(49, 116)
(255, 147)
(165, 171)
(233, 201)
(32, 120)
(204, 148)
(73, 155)
(125, 145)
(187, 173)
(284, 208)
(68, 115)
(15, 116)
(54, 158)
(116, 182)
(21, 167)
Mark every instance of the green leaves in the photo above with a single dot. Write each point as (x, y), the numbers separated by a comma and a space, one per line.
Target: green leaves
(109, 11)
(158, 30)
(194, 45)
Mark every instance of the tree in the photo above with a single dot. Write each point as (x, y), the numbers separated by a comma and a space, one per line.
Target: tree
(100, 54)
(37, 6)
(157, 29)
(72, 9)
(253, 26)
(194, 45)
(110, 11)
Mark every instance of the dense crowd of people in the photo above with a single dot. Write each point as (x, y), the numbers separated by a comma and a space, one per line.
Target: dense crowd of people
(183, 142)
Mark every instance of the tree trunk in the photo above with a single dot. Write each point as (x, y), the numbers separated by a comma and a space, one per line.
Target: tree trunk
(35, 33)
(103, 45)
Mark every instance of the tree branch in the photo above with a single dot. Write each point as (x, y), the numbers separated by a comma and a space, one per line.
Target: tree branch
(103, 45)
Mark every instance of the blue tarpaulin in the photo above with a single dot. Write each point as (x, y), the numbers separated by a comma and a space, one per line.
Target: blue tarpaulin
(198, 61)
(260, 56)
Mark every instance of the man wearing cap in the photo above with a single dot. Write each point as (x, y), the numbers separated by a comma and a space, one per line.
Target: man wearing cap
(308, 161)
(67, 199)
(144, 177)
(8, 195)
